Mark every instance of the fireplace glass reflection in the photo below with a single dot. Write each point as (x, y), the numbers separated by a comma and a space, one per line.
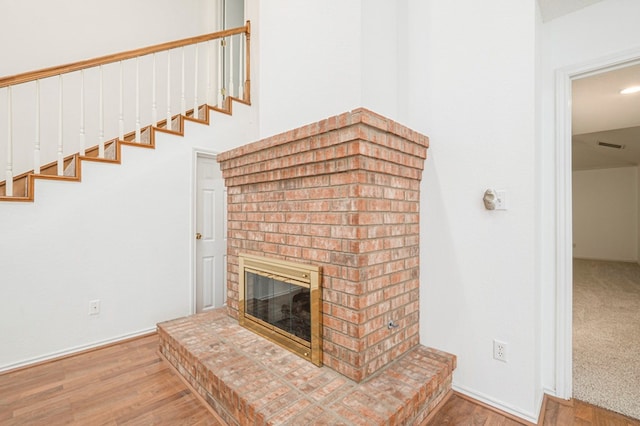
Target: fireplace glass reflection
(283, 305)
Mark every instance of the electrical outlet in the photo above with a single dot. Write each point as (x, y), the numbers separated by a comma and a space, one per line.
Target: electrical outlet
(94, 307)
(500, 350)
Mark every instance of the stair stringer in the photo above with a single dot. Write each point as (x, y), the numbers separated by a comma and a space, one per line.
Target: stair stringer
(179, 119)
(124, 236)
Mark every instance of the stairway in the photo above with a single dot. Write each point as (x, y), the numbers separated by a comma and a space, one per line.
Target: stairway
(133, 86)
(24, 184)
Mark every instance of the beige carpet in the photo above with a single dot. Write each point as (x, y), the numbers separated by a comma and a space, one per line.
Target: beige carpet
(606, 335)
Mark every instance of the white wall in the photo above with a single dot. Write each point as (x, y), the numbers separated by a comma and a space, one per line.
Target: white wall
(310, 61)
(46, 34)
(605, 214)
(318, 59)
(384, 47)
(595, 33)
(472, 80)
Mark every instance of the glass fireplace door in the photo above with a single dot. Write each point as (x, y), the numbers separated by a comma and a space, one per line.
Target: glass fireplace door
(281, 304)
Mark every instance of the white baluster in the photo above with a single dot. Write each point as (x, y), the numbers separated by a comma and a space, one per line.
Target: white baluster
(101, 116)
(231, 82)
(195, 84)
(220, 88)
(82, 133)
(168, 90)
(241, 71)
(183, 102)
(36, 149)
(209, 72)
(154, 108)
(8, 187)
(138, 129)
(121, 110)
(60, 129)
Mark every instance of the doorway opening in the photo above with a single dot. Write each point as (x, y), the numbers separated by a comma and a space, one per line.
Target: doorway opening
(604, 226)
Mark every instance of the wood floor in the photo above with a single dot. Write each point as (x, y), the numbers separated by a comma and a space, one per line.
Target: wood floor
(461, 411)
(129, 384)
(458, 410)
(580, 413)
(123, 384)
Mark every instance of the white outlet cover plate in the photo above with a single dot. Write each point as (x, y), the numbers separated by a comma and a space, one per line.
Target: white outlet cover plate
(500, 350)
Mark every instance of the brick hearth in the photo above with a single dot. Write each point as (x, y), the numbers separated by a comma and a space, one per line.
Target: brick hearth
(248, 380)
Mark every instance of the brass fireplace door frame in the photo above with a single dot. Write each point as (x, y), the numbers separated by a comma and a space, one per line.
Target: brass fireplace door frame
(307, 276)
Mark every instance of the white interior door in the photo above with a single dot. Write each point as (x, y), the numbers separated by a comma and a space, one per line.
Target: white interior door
(211, 235)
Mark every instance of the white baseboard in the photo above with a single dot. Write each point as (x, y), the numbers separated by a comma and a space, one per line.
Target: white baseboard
(502, 406)
(550, 392)
(74, 350)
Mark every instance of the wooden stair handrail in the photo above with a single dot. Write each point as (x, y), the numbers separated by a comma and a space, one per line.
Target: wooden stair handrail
(116, 57)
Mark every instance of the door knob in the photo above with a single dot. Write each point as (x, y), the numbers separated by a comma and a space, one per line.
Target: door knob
(198, 236)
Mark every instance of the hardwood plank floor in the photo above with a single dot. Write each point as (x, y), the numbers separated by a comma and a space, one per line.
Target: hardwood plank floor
(123, 384)
(576, 412)
(460, 411)
(129, 384)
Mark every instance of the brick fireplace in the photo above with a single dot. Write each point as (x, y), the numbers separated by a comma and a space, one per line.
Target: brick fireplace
(340, 195)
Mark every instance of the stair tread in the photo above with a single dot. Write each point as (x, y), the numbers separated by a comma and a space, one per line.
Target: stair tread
(73, 163)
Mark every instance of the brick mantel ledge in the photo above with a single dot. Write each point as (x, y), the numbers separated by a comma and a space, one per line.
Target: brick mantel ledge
(360, 133)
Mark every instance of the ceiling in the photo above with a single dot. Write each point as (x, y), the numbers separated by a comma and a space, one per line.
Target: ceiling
(601, 114)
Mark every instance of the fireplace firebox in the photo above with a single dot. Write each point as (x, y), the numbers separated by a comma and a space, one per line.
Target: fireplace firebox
(281, 301)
